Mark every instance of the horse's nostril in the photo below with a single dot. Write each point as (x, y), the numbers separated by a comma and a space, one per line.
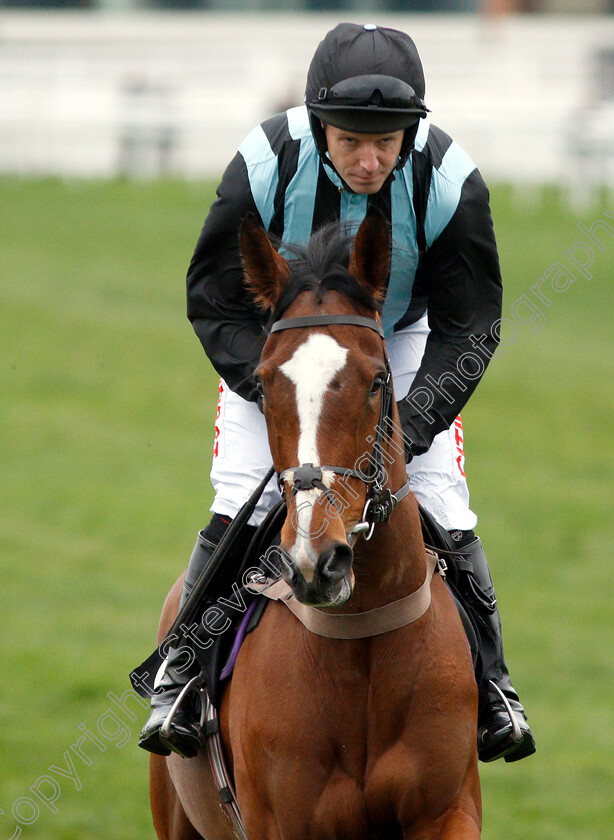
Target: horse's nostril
(289, 574)
(336, 561)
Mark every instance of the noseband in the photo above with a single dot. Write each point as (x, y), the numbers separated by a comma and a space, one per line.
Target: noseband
(380, 501)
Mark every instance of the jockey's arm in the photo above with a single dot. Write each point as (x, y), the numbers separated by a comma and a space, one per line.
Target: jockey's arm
(219, 308)
(464, 292)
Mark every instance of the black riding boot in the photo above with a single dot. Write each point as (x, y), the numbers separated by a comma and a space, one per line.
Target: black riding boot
(185, 734)
(503, 730)
(180, 666)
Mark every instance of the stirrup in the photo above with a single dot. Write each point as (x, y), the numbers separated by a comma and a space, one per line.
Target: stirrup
(166, 730)
(516, 731)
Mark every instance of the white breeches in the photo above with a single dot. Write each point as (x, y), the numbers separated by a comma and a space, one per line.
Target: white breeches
(241, 455)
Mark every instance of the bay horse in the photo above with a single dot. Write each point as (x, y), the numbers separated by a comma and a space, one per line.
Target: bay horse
(355, 738)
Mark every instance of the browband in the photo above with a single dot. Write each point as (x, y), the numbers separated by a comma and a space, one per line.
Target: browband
(328, 320)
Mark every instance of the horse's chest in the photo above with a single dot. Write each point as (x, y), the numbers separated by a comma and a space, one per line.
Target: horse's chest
(348, 748)
(336, 771)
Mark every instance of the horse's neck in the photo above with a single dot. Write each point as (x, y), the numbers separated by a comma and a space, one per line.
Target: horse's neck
(392, 563)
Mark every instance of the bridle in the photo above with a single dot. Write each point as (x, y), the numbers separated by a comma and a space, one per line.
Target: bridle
(380, 502)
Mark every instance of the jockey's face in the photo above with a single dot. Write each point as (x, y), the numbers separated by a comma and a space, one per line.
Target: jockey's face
(364, 161)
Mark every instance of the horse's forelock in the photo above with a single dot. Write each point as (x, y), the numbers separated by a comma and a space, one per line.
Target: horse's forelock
(322, 266)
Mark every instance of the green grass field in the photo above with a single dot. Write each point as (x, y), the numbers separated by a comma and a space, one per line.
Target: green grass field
(105, 433)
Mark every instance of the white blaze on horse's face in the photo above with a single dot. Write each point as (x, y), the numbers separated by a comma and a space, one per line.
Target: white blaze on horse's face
(311, 369)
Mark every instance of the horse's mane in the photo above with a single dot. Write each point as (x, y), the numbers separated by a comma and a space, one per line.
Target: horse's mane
(321, 266)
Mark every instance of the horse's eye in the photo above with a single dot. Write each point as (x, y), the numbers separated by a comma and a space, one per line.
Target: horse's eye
(377, 384)
(260, 400)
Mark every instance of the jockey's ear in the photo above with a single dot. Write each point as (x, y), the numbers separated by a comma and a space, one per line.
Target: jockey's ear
(266, 272)
(370, 260)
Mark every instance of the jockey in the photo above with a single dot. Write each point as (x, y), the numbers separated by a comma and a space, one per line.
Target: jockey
(362, 139)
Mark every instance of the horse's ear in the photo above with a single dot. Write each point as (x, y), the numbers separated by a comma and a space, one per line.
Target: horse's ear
(370, 260)
(266, 272)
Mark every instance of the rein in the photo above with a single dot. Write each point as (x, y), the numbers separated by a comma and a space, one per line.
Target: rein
(380, 502)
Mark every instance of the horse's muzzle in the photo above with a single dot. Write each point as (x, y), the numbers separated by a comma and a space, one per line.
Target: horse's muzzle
(332, 582)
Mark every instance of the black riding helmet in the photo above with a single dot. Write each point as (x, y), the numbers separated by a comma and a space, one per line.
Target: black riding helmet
(366, 79)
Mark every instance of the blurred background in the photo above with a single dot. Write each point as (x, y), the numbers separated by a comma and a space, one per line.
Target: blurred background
(117, 118)
(125, 88)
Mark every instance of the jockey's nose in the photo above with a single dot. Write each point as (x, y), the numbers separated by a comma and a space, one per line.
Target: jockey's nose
(368, 158)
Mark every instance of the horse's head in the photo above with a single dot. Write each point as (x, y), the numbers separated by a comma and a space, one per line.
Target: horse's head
(326, 393)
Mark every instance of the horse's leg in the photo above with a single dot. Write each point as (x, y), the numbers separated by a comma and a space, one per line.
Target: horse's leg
(169, 818)
(454, 825)
(459, 826)
(461, 821)
(464, 821)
